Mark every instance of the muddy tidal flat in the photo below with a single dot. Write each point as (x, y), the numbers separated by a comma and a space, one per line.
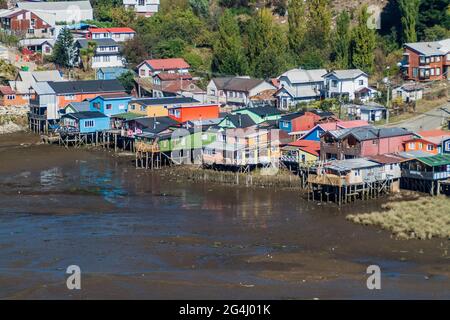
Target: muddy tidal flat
(139, 235)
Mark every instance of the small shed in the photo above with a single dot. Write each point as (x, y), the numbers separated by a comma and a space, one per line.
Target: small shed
(408, 92)
(371, 112)
(109, 73)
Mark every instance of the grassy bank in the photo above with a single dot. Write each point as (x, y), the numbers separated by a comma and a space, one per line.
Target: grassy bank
(423, 218)
(423, 106)
(257, 178)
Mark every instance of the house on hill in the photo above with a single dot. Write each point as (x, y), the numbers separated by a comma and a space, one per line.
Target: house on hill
(352, 83)
(107, 53)
(235, 91)
(62, 11)
(299, 85)
(145, 8)
(27, 24)
(117, 34)
(149, 68)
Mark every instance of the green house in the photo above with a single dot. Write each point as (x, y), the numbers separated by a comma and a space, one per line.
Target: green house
(260, 114)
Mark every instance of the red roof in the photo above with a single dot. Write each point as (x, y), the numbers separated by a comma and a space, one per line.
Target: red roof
(168, 64)
(312, 147)
(6, 90)
(433, 133)
(112, 30)
(165, 76)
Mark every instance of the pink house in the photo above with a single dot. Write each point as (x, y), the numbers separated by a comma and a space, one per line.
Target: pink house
(362, 142)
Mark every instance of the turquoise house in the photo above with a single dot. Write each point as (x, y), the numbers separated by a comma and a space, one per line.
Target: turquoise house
(109, 73)
(260, 114)
(85, 122)
(110, 104)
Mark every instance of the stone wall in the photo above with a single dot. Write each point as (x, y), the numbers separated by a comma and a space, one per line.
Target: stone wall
(13, 119)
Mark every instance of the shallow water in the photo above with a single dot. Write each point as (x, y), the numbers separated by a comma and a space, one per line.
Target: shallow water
(135, 234)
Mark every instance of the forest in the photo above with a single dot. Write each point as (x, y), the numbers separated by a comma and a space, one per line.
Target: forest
(264, 39)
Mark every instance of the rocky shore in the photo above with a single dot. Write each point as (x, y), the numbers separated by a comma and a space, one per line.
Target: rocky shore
(13, 119)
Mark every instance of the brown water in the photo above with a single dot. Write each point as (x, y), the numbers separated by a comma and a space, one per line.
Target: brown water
(135, 234)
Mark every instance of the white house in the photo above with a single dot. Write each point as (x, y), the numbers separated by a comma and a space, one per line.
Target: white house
(235, 91)
(62, 11)
(408, 92)
(370, 112)
(142, 7)
(352, 83)
(149, 68)
(117, 34)
(107, 53)
(299, 85)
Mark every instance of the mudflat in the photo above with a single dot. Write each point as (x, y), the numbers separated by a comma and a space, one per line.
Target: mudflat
(137, 234)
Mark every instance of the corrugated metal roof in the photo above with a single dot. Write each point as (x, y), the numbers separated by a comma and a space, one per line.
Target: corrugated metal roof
(350, 164)
(304, 76)
(346, 74)
(437, 160)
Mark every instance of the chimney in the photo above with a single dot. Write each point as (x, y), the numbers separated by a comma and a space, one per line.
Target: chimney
(240, 120)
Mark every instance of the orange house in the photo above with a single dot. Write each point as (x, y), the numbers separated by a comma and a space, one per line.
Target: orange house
(8, 97)
(432, 145)
(194, 112)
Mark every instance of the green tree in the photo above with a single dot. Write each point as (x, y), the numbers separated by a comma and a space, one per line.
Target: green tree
(266, 46)
(436, 33)
(319, 25)
(297, 25)
(127, 80)
(229, 56)
(64, 51)
(342, 40)
(87, 54)
(363, 43)
(409, 10)
(200, 7)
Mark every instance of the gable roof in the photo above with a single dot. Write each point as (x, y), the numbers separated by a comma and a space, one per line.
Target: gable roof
(166, 64)
(112, 30)
(371, 133)
(79, 106)
(240, 120)
(4, 90)
(304, 76)
(433, 133)
(346, 74)
(388, 158)
(291, 116)
(436, 161)
(262, 111)
(312, 147)
(242, 84)
(86, 86)
(85, 115)
(57, 5)
(431, 48)
(167, 76)
(350, 164)
(105, 42)
(156, 124)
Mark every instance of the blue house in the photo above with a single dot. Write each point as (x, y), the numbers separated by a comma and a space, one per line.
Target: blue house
(84, 122)
(446, 146)
(315, 133)
(109, 73)
(110, 104)
(286, 122)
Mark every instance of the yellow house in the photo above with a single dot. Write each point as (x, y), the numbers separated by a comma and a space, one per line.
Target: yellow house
(304, 152)
(158, 107)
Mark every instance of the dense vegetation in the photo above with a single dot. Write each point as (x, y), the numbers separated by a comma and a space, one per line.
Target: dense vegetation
(236, 37)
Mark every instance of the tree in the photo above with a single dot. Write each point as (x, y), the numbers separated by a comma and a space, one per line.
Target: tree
(433, 13)
(436, 33)
(363, 43)
(319, 25)
(409, 9)
(297, 25)
(200, 7)
(342, 40)
(86, 54)
(266, 46)
(229, 56)
(64, 51)
(127, 80)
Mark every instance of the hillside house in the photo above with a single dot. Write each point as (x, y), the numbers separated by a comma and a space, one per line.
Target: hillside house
(316, 132)
(362, 142)
(352, 83)
(9, 97)
(27, 24)
(84, 122)
(149, 68)
(146, 8)
(259, 114)
(117, 34)
(408, 92)
(43, 46)
(426, 61)
(109, 73)
(370, 112)
(299, 85)
(235, 91)
(176, 84)
(107, 53)
(432, 141)
(63, 11)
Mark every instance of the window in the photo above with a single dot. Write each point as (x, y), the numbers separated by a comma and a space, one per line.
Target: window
(89, 123)
(361, 82)
(438, 71)
(106, 58)
(96, 105)
(69, 97)
(430, 147)
(415, 72)
(133, 107)
(438, 59)
(11, 97)
(411, 146)
(142, 72)
(432, 59)
(30, 31)
(357, 173)
(334, 83)
(420, 145)
(432, 72)
(109, 106)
